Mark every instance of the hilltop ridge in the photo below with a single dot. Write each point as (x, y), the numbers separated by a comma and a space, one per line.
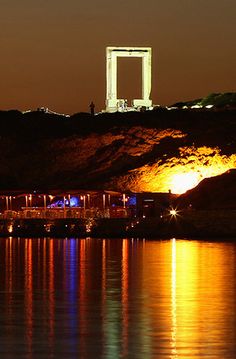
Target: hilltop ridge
(214, 100)
(122, 151)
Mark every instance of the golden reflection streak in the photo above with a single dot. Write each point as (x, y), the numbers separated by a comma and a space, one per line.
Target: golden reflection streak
(103, 271)
(9, 281)
(10, 266)
(174, 353)
(125, 297)
(187, 282)
(82, 297)
(38, 259)
(29, 294)
(44, 269)
(104, 290)
(10, 284)
(51, 290)
(201, 312)
(42, 266)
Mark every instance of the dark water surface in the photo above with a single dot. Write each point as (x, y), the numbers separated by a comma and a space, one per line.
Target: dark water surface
(101, 298)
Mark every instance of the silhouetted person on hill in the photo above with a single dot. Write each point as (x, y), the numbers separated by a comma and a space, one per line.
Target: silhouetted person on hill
(92, 108)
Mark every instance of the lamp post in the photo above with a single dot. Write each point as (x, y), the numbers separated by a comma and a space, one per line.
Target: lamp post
(44, 205)
(45, 201)
(88, 196)
(64, 206)
(7, 203)
(123, 199)
(30, 200)
(104, 201)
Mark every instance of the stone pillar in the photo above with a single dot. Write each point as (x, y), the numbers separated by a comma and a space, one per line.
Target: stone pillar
(111, 96)
(146, 76)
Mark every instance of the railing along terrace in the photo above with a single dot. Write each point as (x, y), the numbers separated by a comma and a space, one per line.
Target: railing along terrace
(63, 213)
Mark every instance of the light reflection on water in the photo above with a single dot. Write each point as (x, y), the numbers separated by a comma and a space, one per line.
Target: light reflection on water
(101, 298)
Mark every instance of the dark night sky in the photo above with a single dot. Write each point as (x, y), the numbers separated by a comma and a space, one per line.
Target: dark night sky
(53, 51)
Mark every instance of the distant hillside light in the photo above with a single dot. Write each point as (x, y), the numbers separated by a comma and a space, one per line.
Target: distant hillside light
(114, 104)
(173, 212)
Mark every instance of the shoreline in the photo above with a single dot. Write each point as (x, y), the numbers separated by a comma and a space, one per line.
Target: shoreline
(193, 224)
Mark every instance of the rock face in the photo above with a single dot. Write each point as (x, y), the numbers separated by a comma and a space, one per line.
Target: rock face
(131, 151)
(212, 193)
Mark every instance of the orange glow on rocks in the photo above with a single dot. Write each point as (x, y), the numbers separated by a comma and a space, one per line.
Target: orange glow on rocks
(181, 173)
(181, 182)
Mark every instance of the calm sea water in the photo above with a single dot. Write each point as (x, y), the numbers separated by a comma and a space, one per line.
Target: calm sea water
(117, 298)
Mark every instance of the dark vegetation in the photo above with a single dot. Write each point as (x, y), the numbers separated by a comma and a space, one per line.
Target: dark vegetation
(218, 100)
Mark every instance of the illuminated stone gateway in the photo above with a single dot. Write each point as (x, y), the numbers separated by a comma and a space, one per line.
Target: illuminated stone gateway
(114, 104)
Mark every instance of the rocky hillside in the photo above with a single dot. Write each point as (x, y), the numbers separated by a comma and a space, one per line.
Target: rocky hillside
(217, 192)
(129, 151)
